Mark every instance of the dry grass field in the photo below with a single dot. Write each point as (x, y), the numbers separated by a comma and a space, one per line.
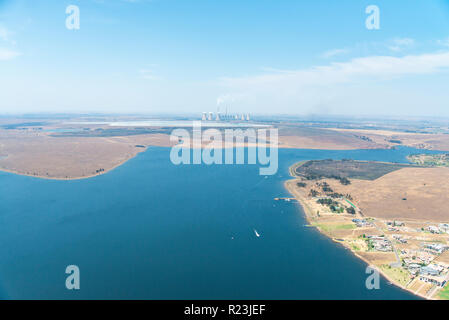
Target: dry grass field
(40, 154)
(317, 138)
(391, 138)
(408, 193)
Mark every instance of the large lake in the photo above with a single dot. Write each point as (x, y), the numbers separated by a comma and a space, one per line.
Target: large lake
(153, 230)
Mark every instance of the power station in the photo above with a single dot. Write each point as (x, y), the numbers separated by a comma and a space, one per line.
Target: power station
(210, 116)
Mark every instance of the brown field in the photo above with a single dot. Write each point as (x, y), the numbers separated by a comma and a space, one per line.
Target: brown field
(317, 138)
(416, 140)
(425, 191)
(39, 154)
(444, 257)
(420, 288)
(377, 258)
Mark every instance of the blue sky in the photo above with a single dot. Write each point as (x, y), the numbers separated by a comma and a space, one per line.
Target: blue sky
(294, 57)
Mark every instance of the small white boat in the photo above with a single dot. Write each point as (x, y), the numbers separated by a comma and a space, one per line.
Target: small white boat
(257, 234)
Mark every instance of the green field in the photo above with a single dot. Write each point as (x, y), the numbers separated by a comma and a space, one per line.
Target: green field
(396, 274)
(444, 293)
(333, 227)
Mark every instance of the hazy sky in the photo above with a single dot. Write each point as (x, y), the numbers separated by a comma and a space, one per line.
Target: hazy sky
(296, 57)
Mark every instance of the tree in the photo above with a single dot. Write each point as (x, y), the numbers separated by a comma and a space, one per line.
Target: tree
(350, 210)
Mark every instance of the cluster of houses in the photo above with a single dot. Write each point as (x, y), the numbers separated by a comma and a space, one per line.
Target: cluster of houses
(399, 238)
(441, 228)
(379, 243)
(413, 268)
(362, 223)
(434, 273)
(394, 225)
(416, 256)
(419, 263)
(424, 256)
(431, 273)
(434, 248)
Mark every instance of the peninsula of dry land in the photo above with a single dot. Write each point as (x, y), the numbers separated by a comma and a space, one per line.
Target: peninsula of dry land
(389, 215)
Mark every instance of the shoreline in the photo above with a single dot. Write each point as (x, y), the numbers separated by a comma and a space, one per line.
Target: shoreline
(307, 214)
(106, 170)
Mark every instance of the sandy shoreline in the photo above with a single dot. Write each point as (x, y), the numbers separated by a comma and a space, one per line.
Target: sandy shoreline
(288, 185)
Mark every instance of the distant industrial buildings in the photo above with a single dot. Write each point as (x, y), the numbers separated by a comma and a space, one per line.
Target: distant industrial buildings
(210, 116)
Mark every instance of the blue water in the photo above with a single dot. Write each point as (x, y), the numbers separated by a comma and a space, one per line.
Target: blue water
(63, 130)
(153, 230)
